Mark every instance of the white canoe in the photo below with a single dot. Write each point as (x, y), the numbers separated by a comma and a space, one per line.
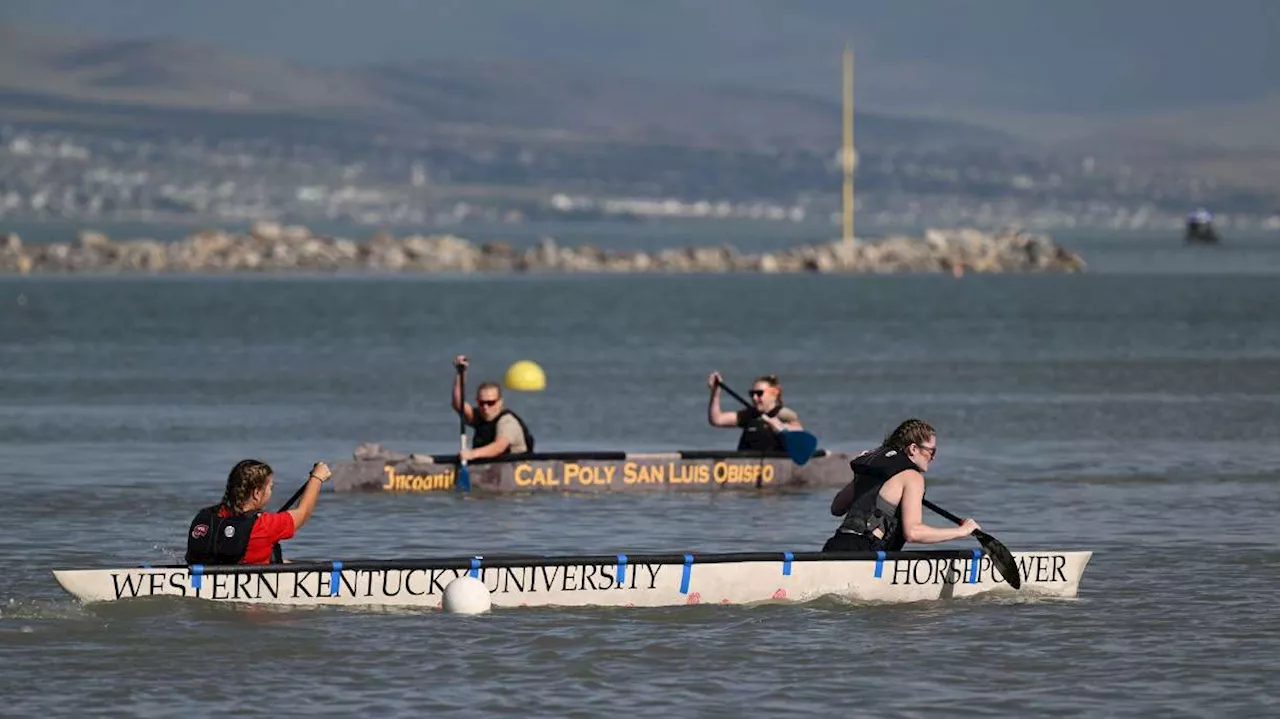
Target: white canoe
(600, 580)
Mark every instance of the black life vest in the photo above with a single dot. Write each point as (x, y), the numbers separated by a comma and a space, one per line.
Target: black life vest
(487, 432)
(219, 540)
(758, 436)
(869, 512)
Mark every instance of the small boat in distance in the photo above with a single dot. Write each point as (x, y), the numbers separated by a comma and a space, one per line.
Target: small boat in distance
(1200, 228)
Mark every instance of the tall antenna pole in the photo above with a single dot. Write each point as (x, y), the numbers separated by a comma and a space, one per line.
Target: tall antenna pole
(848, 156)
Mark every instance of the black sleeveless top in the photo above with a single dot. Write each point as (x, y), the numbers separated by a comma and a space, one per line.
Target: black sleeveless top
(758, 436)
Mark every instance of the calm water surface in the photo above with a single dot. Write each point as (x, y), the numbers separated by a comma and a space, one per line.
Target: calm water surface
(1132, 411)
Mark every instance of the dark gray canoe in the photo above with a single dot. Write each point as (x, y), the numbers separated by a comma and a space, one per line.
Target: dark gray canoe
(378, 470)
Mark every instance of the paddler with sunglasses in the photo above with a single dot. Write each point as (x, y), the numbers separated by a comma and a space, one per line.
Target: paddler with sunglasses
(763, 423)
(883, 507)
(498, 431)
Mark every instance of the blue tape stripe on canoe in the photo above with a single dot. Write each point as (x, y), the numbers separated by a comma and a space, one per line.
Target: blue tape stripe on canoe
(197, 575)
(622, 569)
(688, 570)
(475, 567)
(973, 567)
(879, 564)
(335, 579)
(786, 563)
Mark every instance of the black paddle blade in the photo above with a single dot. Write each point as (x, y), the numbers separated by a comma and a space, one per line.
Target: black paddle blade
(1001, 557)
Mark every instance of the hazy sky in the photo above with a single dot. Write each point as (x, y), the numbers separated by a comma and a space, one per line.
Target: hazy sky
(1088, 57)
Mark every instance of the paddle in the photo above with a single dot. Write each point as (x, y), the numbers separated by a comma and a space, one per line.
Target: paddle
(1000, 555)
(463, 483)
(296, 496)
(799, 443)
(277, 554)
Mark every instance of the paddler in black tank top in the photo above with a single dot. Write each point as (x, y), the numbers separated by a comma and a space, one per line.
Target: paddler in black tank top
(882, 506)
(763, 423)
(499, 432)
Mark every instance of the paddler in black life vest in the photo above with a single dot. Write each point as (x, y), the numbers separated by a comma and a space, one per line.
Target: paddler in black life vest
(882, 505)
(499, 432)
(238, 530)
(761, 424)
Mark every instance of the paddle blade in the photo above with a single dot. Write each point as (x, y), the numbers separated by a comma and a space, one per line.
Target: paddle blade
(800, 446)
(1001, 557)
(463, 483)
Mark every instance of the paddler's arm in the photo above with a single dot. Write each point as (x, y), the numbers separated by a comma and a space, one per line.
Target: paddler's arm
(843, 501)
(319, 474)
(493, 449)
(787, 420)
(715, 416)
(844, 498)
(459, 402)
(916, 531)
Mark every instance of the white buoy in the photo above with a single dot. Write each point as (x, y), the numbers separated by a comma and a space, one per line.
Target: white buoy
(466, 595)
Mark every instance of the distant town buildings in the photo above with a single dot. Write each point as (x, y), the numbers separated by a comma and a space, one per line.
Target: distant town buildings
(104, 176)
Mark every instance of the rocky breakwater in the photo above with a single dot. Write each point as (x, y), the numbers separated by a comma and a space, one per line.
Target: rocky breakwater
(270, 247)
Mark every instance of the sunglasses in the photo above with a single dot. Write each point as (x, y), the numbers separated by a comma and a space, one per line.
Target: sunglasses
(487, 402)
(932, 451)
(757, 393)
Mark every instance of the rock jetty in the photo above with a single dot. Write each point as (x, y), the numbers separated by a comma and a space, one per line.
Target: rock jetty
(274, 248)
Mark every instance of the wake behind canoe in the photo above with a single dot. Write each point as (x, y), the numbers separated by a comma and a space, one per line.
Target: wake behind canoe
(619, 580)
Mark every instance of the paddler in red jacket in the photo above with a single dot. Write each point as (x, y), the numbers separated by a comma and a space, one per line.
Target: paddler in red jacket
(238, 530)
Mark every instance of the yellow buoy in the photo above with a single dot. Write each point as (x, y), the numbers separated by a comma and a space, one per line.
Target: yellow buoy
(526, 376)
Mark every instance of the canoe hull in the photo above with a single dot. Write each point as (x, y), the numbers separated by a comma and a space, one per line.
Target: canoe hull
(613, 581)
(594, 473)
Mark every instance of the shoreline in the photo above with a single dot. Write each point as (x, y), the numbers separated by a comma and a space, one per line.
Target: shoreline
(269, 247)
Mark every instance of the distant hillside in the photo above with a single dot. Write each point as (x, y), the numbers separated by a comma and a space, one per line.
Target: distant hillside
(1238, 144)
(53, 79)
(162, 74)
(588, 125)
